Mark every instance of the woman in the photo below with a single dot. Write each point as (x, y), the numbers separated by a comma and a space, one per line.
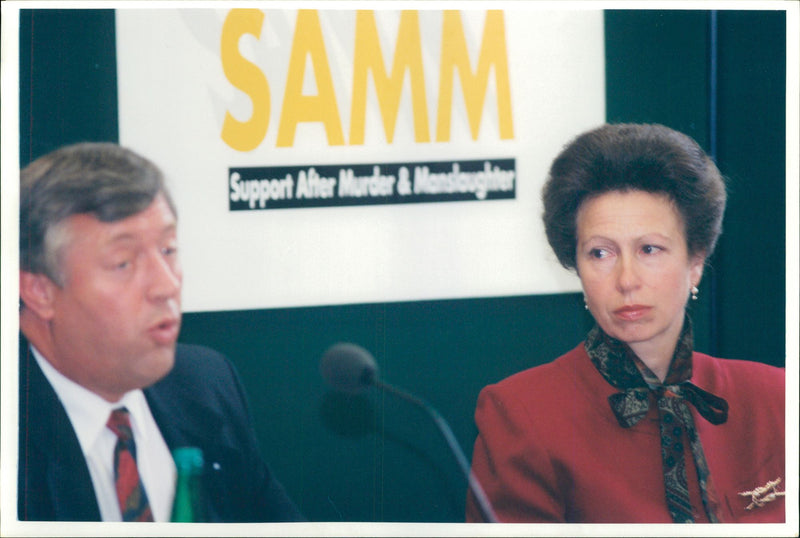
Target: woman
(632, 425)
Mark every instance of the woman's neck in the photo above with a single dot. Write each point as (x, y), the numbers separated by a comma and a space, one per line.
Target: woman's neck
(658, 351)
(657, 362)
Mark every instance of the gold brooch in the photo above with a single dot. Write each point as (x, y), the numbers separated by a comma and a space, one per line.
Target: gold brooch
(764, 494)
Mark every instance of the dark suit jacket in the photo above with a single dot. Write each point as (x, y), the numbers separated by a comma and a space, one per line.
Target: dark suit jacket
(200, 403)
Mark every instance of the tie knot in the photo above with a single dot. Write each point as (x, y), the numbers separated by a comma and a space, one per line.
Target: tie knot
(120, 423)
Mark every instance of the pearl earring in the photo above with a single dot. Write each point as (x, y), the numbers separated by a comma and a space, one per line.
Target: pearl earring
(695, 291)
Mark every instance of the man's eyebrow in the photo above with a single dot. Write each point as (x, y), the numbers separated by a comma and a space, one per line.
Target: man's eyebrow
(169, 227)
(125, 236)
(122, 237)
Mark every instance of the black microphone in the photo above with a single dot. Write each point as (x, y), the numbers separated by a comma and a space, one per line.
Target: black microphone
(351, 368)
(348, 368)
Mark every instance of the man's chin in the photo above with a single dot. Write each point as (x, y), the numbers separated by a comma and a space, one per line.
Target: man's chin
(159, 365)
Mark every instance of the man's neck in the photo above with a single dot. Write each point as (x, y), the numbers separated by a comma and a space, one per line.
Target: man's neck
(37, 332)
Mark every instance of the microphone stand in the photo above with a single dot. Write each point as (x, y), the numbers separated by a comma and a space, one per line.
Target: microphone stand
(480, 496)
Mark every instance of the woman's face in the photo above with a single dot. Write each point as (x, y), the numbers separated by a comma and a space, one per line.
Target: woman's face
(633, 262)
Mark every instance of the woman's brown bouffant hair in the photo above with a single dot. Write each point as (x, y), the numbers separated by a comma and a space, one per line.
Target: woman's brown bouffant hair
(629, 157)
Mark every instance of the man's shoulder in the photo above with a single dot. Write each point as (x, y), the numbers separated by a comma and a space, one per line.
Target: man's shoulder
(191, 358)
(199, 372)
(202, 393)
(201, 362)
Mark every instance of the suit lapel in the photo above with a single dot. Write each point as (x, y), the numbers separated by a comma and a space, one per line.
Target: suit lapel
(186, 419)
(183, 419)
(54, 481)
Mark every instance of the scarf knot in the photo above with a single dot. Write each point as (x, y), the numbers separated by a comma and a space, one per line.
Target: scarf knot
(632, 404)
(640, 388)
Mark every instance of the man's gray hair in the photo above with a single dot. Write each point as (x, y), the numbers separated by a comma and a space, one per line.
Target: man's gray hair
(101, 179)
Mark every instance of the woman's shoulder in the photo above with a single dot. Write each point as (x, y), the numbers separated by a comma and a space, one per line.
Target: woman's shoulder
(545, 398)
(543, 381)
(709, 369)
(743, 381)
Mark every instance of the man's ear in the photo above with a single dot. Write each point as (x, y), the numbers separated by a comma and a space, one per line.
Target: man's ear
(37, 291)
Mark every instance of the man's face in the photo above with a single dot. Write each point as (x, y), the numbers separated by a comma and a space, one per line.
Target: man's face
(116, 319)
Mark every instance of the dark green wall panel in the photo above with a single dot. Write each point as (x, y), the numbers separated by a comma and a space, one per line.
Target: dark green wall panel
(68, 79)
(657, 69)
(374, 458)
(752, 142)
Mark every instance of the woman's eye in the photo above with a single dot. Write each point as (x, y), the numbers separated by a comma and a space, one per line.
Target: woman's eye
(598, 253)
(651, 249)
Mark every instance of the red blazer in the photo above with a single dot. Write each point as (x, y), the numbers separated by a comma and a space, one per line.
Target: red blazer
(549, 448)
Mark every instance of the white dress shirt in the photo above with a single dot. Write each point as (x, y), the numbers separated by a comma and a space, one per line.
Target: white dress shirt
(88, 414)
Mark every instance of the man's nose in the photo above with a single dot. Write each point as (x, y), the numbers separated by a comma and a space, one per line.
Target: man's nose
(164, 276)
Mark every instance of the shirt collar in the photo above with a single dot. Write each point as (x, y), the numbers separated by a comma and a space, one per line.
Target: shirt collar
(87, 411)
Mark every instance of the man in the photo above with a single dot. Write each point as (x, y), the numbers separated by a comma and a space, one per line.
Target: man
(100, 284)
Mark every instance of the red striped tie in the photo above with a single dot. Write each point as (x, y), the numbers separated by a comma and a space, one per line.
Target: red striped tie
(130, 491)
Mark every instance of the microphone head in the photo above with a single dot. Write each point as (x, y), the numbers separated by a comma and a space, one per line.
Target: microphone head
(348, 367)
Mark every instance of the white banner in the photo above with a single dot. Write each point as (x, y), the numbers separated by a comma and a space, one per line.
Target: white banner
(341, 156)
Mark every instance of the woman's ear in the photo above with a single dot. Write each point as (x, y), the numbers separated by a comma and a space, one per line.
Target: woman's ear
(696, 265)
(37, 291)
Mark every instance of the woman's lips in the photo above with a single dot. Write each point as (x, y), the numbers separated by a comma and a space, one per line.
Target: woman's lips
(632, 312)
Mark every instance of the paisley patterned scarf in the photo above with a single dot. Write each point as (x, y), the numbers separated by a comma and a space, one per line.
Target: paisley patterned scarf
(640, 388)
